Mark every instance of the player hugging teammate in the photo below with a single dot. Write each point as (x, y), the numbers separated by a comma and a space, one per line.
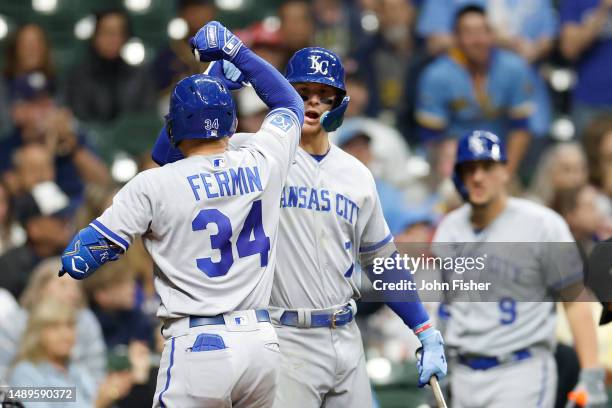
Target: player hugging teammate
(210, 222)
(330, 220)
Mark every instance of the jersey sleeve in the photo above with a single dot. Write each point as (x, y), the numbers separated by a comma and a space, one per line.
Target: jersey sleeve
(375, 238)
(562, 261)
(432, 109)
(130, 214)
(548, 23)
(277, 138)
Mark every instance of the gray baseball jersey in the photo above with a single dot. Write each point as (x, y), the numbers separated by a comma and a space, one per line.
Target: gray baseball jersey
(331, 218)
(210, 222)
(495, 329)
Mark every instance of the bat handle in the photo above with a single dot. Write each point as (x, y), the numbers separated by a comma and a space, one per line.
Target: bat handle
(433, 382)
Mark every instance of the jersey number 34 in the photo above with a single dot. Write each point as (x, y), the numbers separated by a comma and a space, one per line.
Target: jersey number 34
(260, 244)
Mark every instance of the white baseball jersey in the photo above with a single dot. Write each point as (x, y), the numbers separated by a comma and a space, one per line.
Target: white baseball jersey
(210, 223)
(330, 218)
(494, 329)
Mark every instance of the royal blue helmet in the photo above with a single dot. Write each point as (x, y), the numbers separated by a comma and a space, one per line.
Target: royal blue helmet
(479, 145)
(201, 107)
(319, 65)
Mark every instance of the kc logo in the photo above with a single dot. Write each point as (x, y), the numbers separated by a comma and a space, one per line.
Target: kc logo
(318, 67)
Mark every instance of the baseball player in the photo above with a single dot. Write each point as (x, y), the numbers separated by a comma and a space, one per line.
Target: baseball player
(210, 222)
(505, 349)
(331, 219)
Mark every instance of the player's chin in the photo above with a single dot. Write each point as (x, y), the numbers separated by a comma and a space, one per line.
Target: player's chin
(479, 200)
(311, 126)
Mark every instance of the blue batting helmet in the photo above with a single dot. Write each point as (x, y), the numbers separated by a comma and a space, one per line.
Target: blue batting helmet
(201, 107)
(479, 145)
(319, 65)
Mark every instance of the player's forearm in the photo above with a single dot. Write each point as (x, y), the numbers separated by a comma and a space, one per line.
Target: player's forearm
(409, 309)
(439, 43)
(575, 38)
(269, 84)
(90, 167)
(518, 142)
(580, 319)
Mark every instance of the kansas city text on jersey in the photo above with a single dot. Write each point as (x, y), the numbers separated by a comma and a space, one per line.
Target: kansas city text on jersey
(319, 200)
(224, 183)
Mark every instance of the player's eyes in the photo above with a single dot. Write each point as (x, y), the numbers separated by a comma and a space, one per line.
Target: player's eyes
(325, 100)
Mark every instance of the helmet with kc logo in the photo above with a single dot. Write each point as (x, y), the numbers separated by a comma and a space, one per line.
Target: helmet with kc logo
(316, 64)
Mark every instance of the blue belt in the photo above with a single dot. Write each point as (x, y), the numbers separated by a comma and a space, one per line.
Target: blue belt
(196, 321)
(340, 317)
(485, 363)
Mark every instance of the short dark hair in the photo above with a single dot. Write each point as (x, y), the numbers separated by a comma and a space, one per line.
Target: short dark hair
(470, 8)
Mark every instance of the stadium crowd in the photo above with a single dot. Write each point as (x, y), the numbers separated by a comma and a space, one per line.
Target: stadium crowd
(420, 74)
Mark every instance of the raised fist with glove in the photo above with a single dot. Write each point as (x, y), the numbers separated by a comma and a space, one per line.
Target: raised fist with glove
(215, 42)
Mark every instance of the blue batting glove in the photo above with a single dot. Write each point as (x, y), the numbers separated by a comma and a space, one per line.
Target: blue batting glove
(87, 251)
(432, 360)
(331, 120)
(227, 72)
(215, 42)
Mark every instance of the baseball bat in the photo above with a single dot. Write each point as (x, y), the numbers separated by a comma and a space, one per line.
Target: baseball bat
(433, 382)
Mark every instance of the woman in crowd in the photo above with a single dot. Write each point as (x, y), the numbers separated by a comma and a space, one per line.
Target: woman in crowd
(104, 86)
(28, 50)
(44, 359)
(89, 351)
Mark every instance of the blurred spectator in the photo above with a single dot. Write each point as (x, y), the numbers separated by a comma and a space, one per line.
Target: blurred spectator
(176, 61)
(360, 95)
(89, 352)
(586, 40)
(435, 24)
(27, 51)
(251, 110)
(598, 147)
(578, 206)
(112, 296)
(562, 167)
(32, 164)
(528, 29)
(96, 199)
(11, 233)
(104, 86)
(265, 40)
(45, 214)
(127, 331)
(337, 25)
(476, 86)
(44, 359)
(415, 227)
(297, 25)
(357, 143)
(39, 120)
(388, 57)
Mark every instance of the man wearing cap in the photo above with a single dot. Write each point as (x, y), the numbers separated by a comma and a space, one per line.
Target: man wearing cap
(475, 86)
(45, 214)
(38, 119)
